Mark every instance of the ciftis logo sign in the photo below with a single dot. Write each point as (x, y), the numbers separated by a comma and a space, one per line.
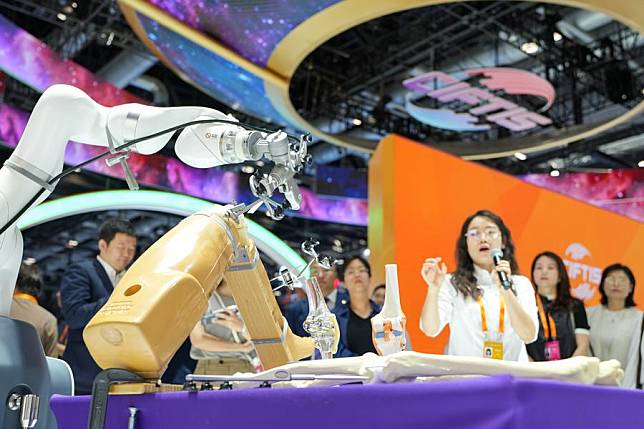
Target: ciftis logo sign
(584, 276)
(476, 100)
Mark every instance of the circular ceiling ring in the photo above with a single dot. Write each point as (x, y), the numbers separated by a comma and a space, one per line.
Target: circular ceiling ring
(342, 16)
(156, 201)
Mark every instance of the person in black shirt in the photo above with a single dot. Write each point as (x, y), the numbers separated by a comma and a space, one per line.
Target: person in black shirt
(354, 314)
(563, 325)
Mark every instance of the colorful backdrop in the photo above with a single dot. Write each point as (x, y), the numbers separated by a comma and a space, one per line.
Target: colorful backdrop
(419, 197)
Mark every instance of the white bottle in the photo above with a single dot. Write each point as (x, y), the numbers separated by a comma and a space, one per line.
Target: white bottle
(388, 327)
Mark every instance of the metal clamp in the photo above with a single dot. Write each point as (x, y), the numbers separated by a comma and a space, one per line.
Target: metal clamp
(287, 277)
(121, 157)
(30, 171)
(29, 412)
(29, 405)
(241, 260)
(100, 391)
(275, 376)
(325, 262)
(280, 340)
(308, 247)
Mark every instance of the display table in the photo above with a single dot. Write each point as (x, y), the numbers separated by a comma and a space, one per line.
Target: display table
(494, 402)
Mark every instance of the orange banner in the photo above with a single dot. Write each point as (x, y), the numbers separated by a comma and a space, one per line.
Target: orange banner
(419, 198)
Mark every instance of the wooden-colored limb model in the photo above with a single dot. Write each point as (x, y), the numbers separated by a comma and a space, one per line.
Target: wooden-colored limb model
(164, 293)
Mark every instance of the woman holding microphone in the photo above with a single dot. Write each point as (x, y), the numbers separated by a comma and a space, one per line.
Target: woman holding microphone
(487, 317)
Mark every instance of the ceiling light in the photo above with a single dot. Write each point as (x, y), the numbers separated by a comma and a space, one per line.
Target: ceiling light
(74, 5)
(366, 253)
(556, 36)
(554, 173)
(248, 169)
(356, 121)
(29, 261)
(641, 164)
(61, 16)
(110, 38)
(71, 244)
(520, 156)
(530, 48)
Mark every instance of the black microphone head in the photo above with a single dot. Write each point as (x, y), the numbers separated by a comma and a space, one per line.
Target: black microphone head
(496, 254)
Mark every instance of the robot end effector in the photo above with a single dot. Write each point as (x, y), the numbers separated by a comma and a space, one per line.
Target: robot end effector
(209, 145)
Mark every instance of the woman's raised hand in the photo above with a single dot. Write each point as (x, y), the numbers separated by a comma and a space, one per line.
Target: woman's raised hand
(433, 273)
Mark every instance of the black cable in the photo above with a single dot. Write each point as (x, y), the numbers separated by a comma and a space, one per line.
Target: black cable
(21, 211)
(125, 146)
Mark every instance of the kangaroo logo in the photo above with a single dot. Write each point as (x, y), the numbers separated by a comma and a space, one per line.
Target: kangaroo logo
(577, 251)
(584, 277)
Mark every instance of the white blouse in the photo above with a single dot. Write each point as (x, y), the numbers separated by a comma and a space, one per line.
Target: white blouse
(464, 316)
(635, 354)
(611, 332)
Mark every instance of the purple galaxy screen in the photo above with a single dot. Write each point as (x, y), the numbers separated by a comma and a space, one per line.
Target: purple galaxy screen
(251, 28)
(620, 191)
(32, 62)
(223, 80)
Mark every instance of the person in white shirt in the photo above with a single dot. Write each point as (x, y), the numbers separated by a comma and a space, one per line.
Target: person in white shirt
(614, 322)
(485, 318)
(634, 373)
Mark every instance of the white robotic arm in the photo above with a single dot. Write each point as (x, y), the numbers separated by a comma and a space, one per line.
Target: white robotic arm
(65, 113)
(209, 145)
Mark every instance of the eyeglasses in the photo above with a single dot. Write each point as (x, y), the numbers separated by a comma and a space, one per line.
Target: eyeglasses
(490, 233)
(358, 271)
(124, 248)
(617, 279)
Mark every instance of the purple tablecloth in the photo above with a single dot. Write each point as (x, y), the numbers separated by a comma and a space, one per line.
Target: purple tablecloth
(495, 402)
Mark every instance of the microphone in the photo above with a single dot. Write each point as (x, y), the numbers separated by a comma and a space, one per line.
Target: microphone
(497, 255)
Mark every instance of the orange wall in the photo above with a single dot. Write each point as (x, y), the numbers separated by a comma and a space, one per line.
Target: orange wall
(419, 197)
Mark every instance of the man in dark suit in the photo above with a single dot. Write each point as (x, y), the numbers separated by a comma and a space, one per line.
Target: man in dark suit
(85, 288)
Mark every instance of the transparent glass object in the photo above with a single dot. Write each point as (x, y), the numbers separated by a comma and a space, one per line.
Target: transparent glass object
(320, 322)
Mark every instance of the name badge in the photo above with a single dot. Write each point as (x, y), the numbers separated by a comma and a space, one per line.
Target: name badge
(551, 349)
(493, 346)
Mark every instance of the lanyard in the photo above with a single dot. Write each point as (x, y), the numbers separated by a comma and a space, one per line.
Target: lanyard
(25, 296)
(501, 314)
(546, 321)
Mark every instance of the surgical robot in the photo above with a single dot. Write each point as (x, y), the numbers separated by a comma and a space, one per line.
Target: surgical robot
(164, 293)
